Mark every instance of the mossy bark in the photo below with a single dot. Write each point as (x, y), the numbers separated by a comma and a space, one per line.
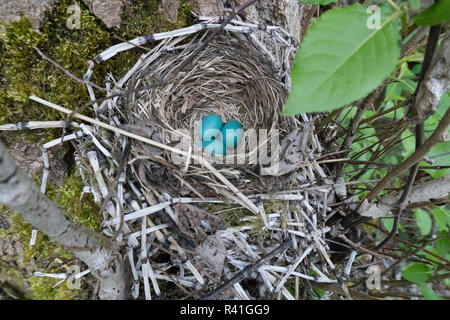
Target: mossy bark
(18, 192)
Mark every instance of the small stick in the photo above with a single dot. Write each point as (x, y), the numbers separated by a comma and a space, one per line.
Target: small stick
(245, 201)
(70, 74)
(359, 248)
(402, 203)
(244, 273)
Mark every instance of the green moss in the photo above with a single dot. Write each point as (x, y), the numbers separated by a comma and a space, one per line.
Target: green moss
(233, 214)
(68, 199)
(45, 249)
(13, 276)
(142, 17)
(41, 289)
(23, 72)
(45, 256)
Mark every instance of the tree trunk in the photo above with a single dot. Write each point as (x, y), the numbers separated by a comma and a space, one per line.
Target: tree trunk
(291, 15)
(19, 193)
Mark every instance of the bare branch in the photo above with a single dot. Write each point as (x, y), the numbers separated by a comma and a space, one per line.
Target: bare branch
(436, 82)
(244, 273)
(20, 194)
(67, 72)
(434, 189)
(437, 137)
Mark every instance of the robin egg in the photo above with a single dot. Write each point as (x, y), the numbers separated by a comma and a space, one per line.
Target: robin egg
(210, 127)
(215, 147)
(231, 133)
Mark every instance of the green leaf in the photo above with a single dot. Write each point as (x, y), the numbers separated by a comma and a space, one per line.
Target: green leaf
(423, 221)
(442, 217)
(321, 2)
(417, 272)
(440, 156)
(428, 293)
(433, 121)
(437, 13)
(320, 292)
(415, 4)
(394, 91)
(429, 256)
(342, 60)
(443, 246)
(408, 142)
(441, 150)
(388, 223)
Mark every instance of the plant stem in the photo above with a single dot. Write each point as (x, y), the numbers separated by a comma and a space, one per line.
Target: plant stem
(438, 136)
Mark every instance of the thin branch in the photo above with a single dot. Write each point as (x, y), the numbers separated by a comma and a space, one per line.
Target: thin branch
(67, 72)
(436, 138)
(402, 203)
(359, 248)
(244, 273)
(431, 46)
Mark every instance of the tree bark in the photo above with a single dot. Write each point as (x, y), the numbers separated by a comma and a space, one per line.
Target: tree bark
(434, 189)
(20, 194)
(291, 15)
(436, 82)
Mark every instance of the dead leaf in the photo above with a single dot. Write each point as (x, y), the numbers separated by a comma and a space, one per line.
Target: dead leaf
(213, 252)
(190, 218)
(291, 155)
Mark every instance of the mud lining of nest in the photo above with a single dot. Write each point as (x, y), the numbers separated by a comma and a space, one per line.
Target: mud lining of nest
(178, 240)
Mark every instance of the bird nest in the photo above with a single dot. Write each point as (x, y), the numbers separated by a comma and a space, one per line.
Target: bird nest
(231, 77)
(193, 227)
(239, 75)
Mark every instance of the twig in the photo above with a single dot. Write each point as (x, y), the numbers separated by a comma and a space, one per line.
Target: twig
(402, 203)
(359, 248)
(401, 283)
(244, 273)
(409, 244)
(179, 285)
(430, 48)
(67, 72)
(134, 44)
(355, 122)
(421, 149)
(418, 155)
(112, 190)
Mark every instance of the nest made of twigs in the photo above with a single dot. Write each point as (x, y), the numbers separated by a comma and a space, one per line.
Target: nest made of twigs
(230, 77)
(242, 75)
(234, 77)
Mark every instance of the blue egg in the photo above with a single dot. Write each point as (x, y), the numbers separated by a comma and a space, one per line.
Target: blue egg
(215, 147)
(210, 127)
(204, 144)
(231, 133)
